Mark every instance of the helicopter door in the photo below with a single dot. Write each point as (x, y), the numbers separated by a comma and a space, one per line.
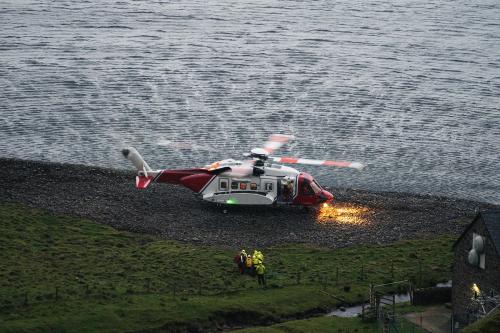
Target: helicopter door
(268, 185)
(285, 189)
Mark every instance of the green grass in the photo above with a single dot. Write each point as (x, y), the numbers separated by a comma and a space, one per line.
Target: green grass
(490, 324)
(318, 325)
(336, 324)
(136, 312)
(108, 280)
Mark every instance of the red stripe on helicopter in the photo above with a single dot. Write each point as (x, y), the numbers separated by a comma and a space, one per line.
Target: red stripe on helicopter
(336, 163)
(288, 160)
(175, 176)
(197, 182)
(141, 182)
(279, 138)
(194, 179)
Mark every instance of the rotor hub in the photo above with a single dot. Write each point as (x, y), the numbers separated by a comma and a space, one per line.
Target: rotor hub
(259, 153)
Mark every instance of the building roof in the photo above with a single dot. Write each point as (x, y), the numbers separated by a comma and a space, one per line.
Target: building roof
(491, 220)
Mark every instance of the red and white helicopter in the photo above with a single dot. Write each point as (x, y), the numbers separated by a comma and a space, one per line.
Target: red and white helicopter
(255, 181)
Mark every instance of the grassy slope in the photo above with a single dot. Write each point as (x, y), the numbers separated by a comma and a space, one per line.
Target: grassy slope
(318, 325)
(334, 324)
(102, 276)
(490, 324)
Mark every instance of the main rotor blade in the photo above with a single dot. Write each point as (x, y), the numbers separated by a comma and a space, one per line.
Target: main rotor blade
(276, 141)
(340, 164)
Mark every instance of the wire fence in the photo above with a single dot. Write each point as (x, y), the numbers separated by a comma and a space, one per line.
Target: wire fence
(399, 324)
(109, 287)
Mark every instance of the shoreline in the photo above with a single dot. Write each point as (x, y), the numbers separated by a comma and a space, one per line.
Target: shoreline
(108, 196)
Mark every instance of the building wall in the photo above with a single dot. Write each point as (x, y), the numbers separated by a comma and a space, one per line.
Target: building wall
(464, 274)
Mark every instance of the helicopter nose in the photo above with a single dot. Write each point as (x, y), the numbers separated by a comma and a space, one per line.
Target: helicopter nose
(326, 196)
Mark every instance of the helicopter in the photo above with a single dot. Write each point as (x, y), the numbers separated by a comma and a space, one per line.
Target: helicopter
(258, 180)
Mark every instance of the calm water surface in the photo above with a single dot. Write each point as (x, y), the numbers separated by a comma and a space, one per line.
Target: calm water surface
(411, 88)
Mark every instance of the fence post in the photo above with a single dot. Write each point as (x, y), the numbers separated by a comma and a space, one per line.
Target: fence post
(199, 289)
(386, 324)
(57, 294)
(392, 269)
(420, 272)
(411, 293)
(371, 296)
(87, 291)
(362, 272)
(148, 285)
(298, 277)
(337, 277)
(393, 305)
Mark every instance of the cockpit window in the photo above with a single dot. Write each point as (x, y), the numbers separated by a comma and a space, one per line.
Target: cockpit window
(316, 187)
(306, 188)
(310, 187)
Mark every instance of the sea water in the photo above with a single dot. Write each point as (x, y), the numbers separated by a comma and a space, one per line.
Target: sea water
(410, 88)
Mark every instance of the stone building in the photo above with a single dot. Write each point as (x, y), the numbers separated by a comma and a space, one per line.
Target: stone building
(476, 269)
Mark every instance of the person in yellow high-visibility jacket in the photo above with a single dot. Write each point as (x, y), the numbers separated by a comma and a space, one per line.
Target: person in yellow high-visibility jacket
(261, 270)
(258, 257)
(249, 265)
(261, 256)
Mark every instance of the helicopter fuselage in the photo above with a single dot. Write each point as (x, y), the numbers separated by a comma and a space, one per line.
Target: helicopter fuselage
(255, 181)
(233, 182)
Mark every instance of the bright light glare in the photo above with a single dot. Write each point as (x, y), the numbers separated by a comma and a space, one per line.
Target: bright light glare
(476, 289)
(231, 201)
(343, 214)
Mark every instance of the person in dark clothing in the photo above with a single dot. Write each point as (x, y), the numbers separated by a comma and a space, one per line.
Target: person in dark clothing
(240, 260)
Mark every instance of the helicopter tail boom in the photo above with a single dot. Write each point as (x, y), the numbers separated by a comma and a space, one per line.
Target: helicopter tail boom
(194, 179)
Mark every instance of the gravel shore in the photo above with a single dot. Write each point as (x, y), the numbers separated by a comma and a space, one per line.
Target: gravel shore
(173, 212)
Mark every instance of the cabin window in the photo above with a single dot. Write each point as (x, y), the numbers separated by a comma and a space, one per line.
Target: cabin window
(253, 186)
(243, 186)
(269, 186)
(223, 184)
(234, 185)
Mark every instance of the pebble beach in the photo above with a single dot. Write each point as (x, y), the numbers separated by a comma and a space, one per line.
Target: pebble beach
(108, 196)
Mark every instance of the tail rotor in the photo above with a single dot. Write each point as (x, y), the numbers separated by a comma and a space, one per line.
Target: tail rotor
(133, 155)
